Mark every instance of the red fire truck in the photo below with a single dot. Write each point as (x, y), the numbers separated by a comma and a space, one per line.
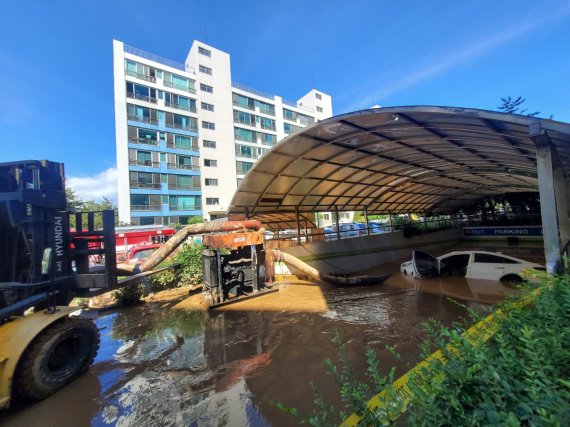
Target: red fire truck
(127, 237)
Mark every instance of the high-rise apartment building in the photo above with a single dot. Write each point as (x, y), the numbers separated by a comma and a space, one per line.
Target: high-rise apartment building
(186, 134)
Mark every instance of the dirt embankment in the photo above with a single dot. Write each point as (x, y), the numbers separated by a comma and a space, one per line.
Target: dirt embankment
(108, 300)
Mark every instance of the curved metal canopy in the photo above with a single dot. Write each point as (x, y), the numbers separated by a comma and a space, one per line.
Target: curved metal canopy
(397, 160)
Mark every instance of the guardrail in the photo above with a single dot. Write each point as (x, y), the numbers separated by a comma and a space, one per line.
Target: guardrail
(184, 167)
(141, 97)
(150, 186)
(253, 91)
(145, 208)
(179, 87)
(146, 141)
(192, 147)
(156, 58)
(142, 119)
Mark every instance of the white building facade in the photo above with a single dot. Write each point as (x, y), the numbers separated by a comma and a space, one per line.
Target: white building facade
(186, 135)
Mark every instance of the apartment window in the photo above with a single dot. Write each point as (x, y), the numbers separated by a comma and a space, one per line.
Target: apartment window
(319, 109)
(208, 125)
(210, 163)
(206, 106)
(204, 52)
(211, 182)
(212, 201)
(318, 95)
(206, 88)
(209, 144)
(205, 70)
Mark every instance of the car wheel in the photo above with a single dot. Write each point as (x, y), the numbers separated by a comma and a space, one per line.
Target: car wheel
(512, 278)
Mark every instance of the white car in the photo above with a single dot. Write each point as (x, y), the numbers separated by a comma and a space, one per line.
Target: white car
(469, 264)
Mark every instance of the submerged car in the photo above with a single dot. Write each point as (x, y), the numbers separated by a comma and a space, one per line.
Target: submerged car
(469, 264)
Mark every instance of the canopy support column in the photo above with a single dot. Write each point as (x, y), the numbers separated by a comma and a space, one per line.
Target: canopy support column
(298, 225)
(553, 206)
(337, 225)
(366, 221)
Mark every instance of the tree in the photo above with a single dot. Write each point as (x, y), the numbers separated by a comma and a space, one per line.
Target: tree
(76, 204)
(512, 106)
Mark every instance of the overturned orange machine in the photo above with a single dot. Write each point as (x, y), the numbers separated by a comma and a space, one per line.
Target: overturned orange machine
(233, 267)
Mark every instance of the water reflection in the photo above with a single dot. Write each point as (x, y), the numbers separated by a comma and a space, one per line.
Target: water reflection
(160, 366)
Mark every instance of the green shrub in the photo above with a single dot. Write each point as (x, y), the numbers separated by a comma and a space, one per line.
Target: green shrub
(187, 274)
(521, 376)
(130, 294)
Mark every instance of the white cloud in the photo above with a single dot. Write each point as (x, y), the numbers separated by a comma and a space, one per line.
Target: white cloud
(103, 184)
(387, 85)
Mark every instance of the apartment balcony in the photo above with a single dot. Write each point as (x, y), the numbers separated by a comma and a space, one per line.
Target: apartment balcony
(146, 163)
(146, 141)
(179, 87)
(180, 106)
(246, 107)
(141, 97)
(181, 126)
(183, 187)
(243, 122)
(142, 119)
(146, 208)
(185, 208)
(273, 128)
(141, 76)
(192, 147)
(183, 167)
(145, 185)
(248, 155)
(266, 111)
(242, 171)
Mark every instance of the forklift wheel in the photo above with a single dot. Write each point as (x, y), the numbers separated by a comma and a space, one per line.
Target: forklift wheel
(58, 355)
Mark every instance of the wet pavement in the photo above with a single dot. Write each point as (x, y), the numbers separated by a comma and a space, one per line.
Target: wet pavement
(159, 365)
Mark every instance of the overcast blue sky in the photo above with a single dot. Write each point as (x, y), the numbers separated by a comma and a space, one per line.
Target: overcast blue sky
(56, 71)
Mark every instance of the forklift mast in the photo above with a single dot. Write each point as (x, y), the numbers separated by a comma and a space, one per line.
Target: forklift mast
(44, 261)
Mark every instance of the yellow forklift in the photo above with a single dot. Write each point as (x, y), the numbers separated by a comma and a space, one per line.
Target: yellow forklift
(44, 264)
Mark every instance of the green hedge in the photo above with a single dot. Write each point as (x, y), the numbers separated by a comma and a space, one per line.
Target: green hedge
(521, 376)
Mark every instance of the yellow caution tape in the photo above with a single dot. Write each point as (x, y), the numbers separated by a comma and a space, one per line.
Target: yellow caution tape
(394, 400)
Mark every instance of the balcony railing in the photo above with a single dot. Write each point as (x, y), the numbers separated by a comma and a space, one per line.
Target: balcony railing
(143, 54)
(253, 91)
(141, 76)
(147, 185)
(147, 141)
(270, 127)
(145, 208)
(179, 87)
(141, 97)
(244, 122)
(191, 147)
(242, 171)
(247, 107)
(143, 119)
(183, 187)
(147, 163)
(184, 167)
(181, 126)
(180, 106)
(248, 155)
(185, 208)
(266, 111)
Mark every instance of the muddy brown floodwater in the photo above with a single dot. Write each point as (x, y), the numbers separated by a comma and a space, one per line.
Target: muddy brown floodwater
(161, 366)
